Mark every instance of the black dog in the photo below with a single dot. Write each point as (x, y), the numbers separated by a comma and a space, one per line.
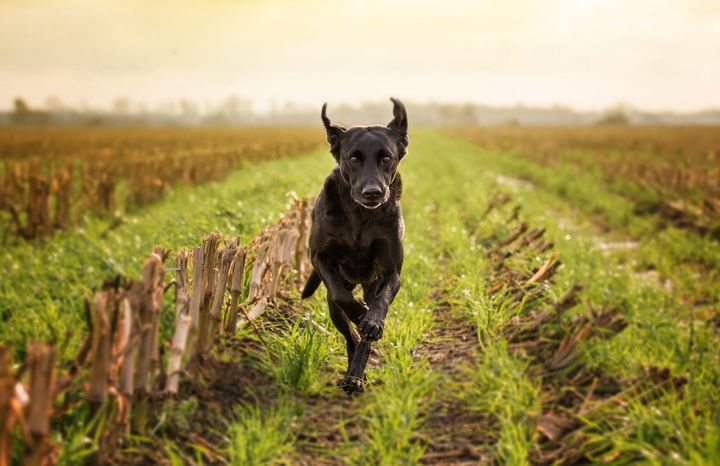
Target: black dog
(357, 232)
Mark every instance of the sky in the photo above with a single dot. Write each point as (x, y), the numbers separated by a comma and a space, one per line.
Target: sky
(586, 54)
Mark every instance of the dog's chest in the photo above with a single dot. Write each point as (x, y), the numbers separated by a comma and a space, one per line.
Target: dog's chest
(357, 266)
(357, 257)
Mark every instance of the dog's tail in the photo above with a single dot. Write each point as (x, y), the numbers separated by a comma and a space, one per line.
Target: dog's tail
(311, 285)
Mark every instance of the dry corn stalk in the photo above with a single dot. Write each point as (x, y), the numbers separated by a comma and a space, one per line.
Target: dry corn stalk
(209, 276)
(218, 297)
(148, 297)
(8, 406)
(182, 282)
(197, 290)
(128, 327)
(100, 349)
(260, 266)
(155, 302)
(182, 326)
(236, 283)
(257, 309)
(122, 370)
(177, 351)
(41, 383)
(302, 251)
(286, 244)
(209, 245)
(276, 244)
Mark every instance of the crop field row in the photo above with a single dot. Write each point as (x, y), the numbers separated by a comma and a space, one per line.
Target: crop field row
(50, 178)
(542, 320)
(113, 385)
(671, 172)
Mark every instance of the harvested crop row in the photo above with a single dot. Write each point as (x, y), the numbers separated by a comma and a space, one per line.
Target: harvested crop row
(573, 395)
(120, 378)
(49, 178)
(674, 173)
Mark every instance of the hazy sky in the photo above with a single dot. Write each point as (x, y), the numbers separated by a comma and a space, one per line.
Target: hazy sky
(589, 54)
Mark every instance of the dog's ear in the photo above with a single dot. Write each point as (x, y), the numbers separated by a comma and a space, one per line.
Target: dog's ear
(335, 133)
(399, 125)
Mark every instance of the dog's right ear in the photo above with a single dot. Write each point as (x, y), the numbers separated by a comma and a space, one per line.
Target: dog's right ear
(335, 133)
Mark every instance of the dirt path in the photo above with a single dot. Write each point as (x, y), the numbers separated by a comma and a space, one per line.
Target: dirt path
(454, 433)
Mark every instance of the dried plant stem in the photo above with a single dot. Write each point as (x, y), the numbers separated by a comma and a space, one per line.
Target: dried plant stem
(182, 326)
(196, 296)
(236, 283)
(7, 395)
(177, 351)
(182, 282)
(209, 276)
(218, 296)
(41, 367)
(100, 350)
(257, 309)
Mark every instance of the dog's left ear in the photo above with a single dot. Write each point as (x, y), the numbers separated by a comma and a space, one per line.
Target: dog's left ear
(399, 125)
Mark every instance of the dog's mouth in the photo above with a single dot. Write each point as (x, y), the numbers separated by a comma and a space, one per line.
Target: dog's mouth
(370, 204)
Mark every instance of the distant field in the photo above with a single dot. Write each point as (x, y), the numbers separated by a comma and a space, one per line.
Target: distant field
(670, 171)
(551, 312)
(52, 177)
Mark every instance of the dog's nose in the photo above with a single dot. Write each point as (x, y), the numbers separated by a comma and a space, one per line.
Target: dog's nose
(372, 192)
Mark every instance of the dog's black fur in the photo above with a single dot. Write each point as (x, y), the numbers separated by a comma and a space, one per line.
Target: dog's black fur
(357, 232)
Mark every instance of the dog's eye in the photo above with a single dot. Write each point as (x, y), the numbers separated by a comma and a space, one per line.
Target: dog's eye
(386, 160)
(354, 159)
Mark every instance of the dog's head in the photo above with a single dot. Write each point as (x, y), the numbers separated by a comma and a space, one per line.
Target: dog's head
(368, 156)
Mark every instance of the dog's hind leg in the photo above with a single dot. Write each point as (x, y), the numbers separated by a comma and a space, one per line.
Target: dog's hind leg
(341, 322)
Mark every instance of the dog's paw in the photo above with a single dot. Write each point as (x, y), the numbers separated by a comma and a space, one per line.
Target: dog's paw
(371, 328)
(351, 384)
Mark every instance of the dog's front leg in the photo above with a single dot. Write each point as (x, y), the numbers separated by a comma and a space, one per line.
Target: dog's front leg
(337, 293)
(372, 325)
(354, 380)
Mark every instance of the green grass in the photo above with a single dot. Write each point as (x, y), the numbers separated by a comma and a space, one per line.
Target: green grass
(501, 386)
(661, 288)
(299, 357)
(261, 436)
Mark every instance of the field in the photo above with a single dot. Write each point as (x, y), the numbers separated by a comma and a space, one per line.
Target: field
(560, 305)
(672, 172)
(50, 179)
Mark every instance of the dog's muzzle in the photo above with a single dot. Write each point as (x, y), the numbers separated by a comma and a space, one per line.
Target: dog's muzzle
(372, 199)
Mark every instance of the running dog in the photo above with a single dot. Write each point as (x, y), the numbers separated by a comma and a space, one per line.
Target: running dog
(357, 232)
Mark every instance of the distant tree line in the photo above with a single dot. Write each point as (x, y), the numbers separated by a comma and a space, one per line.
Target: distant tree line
(22, 114)
(239, 111)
